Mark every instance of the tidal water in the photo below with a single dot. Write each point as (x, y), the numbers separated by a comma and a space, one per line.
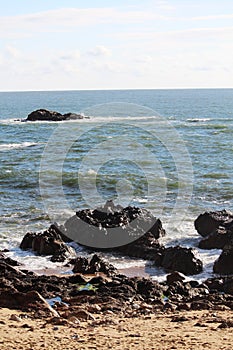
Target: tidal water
(170, 151)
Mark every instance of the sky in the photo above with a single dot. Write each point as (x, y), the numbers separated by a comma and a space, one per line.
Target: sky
(123, 44)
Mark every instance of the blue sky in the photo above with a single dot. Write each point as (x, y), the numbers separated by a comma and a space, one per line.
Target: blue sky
(68, 45)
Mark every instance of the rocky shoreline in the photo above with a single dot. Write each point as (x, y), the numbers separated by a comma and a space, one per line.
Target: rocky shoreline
(95, 286)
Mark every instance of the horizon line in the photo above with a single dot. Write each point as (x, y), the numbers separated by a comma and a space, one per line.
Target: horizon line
(121, 89)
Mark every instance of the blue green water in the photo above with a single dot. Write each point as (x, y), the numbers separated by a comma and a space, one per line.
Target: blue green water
(142, 147)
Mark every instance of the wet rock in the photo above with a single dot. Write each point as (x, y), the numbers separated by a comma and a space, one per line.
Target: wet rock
(8, 260)
(175, 277)
(72, 116)
(224, 264)
(8, 270)
(208, 222)
(45, 115)
(182, 260)
(131, 230)
(146, 247)
(94, 265)
(217, 239)
(47, 243)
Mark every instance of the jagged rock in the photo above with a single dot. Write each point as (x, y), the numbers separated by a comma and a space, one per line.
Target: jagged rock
(208, 222)
(182, 260)
(45, 115)
(111, 227)
(217, 239)
(47, 243)
(94, 265)
(70, 116)
(8, 260)
(30, 300)
(175, 277)
(224, 264)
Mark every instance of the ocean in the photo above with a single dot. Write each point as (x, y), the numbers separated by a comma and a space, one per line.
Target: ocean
(170, 151)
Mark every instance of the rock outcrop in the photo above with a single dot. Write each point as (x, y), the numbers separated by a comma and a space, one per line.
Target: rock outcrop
(182, 260)
(217, 230)
(47, 243)
(224, 264)
(110, 227)
(46, 115)
(93, 265)
(208, 222)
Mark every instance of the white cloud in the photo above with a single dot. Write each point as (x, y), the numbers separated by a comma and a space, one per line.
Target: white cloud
(184, 37)
(99, 50)
(13, 52)
(69, 18)
(212, 17)
(70, 55)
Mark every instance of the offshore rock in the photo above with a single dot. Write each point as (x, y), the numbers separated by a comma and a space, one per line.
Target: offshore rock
(182, 260)
(208, 222)
(45, 115)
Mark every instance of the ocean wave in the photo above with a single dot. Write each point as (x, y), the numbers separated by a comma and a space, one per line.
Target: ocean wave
(10, 146)
(87, 119)
(198, 120)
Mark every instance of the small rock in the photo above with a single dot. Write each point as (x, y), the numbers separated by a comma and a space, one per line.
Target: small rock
(14, 317)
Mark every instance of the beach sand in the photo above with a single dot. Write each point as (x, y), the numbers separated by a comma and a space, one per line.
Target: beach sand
(177, 330)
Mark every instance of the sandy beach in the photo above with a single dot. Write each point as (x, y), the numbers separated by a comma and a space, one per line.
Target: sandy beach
(178, 330)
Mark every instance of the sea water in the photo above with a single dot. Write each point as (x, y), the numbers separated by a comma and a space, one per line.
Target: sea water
(170, 151)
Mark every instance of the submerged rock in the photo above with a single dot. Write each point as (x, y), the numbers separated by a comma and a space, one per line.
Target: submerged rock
(45, 115)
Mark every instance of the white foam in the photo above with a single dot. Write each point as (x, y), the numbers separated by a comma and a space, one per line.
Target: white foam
(10, 146)
(198, 120)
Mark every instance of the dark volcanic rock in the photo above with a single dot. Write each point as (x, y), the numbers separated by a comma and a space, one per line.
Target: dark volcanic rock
(182, 260)
(146, 247)
(72, 116)
(94, 265)
(45, 115)
(25, 301)
(208, 222)
(217, 239)
(175, 277)
(224, 264)
(47, 243)
(8, 268)
(111, 227)
(8, 260)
